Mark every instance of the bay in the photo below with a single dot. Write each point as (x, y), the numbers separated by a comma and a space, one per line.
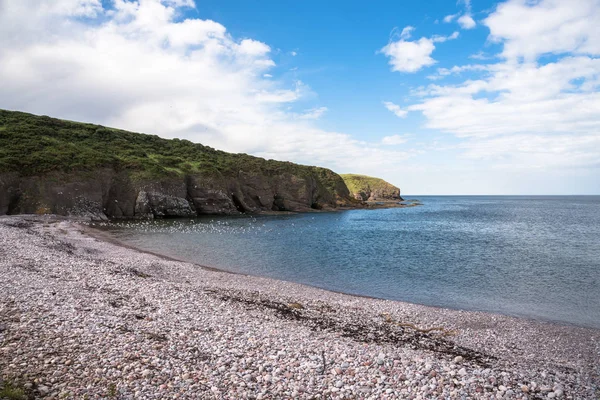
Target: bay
(530, 256)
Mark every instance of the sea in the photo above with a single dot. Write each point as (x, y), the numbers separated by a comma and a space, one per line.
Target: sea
(536, 257)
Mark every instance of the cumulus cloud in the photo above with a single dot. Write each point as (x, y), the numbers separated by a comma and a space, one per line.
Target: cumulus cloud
(555, 97)
(411, 56)
(399, 112)
(526, 110)
(140, 65)
(464, 19)
(531, 29)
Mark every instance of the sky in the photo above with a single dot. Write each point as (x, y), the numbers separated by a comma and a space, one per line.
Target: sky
(436, 97)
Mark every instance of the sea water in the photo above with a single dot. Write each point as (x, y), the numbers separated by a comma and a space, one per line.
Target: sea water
(537, 257)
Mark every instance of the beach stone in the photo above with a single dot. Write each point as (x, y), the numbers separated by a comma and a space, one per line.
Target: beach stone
(43, 390)
(205, 331)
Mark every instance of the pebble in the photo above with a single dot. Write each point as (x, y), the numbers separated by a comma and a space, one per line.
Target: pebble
(44, 390)
(72, 329)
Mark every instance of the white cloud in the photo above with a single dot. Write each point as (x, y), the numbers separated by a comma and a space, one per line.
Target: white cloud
(518, 99)
(464, 19)
(410, 56)
(394, 140)
(480, 55)
(406, 32)
(528, 112)
(407, 56)
(537, 151)
(140, 66)
(253, 48)
(450, 18)
(293, 54)
(399, 112)
(531, 29)
(443, 72)
(280, 95)
(466, 22)
(313, 113)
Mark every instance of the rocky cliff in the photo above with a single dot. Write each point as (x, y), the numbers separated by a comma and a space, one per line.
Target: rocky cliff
(367, 188)
(49, 165)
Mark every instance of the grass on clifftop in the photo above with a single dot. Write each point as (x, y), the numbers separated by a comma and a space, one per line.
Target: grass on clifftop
(362, 183)
(35, 145)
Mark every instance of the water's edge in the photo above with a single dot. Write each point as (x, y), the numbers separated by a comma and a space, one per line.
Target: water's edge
(104, 235)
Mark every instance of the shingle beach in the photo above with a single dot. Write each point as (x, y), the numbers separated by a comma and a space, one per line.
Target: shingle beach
(83, 317)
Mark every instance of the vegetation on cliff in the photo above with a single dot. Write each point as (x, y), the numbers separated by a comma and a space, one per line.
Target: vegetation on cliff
(34, 145)
(48, 165)
(365, 188)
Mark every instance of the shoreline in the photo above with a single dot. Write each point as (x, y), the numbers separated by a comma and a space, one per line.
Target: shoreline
(82, 315)
(103, 235)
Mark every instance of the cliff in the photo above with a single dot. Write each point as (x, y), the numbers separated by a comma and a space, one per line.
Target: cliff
(49, 165)
(367, 188)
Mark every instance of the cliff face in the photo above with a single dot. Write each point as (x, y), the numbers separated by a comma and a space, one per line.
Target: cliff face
(67, 168)
(367, 188)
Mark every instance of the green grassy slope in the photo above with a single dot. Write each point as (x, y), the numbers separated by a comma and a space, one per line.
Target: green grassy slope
(36, 145)
(366, 184)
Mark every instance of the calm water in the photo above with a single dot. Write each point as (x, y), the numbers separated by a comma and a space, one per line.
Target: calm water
(537, 257)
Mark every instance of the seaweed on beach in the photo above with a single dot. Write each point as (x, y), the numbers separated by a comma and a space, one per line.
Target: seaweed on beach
(363, 330)
(63, 247)
(20, 223)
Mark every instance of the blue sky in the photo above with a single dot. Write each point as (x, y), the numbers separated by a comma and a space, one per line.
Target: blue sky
(336, 44)
(438, 97)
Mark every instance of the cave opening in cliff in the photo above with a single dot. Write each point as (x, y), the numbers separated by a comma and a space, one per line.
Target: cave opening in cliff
(238, 204)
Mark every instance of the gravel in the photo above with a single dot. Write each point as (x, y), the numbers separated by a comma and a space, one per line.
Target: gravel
(81, 317)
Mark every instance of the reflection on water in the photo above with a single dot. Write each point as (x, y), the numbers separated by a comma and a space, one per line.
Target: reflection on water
(530, 256)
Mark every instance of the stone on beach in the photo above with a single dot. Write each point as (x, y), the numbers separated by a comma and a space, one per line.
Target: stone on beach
(69, 326)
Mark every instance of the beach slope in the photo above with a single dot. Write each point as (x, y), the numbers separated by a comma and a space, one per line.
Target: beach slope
(82, 317)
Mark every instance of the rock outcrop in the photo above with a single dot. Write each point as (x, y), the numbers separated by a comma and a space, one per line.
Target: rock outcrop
(88, 170)
(110, 194)
(367, 188)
